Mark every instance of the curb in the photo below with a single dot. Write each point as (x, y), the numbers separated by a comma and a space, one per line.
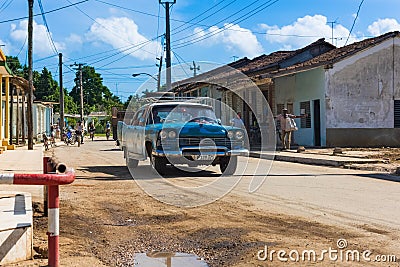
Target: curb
(313, 161)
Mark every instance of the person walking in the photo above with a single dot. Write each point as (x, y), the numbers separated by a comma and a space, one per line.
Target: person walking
(287, 125)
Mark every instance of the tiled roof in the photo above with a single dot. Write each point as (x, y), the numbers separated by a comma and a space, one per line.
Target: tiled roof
(340, 53)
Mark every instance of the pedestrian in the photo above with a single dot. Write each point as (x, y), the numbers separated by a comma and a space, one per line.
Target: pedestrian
(79, 132)
(287, 125)
(237, 121)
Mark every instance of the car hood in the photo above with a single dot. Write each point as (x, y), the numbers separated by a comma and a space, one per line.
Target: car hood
(193, 129)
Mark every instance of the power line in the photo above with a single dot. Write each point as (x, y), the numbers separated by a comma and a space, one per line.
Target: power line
(5, 5)
(354, 21)
(231, 24)
(51, 11)
(176, 32)
(47, 27)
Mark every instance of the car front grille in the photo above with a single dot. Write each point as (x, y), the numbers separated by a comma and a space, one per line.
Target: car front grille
(197, 141)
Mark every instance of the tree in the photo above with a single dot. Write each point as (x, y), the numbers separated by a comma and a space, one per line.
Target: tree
(96, 96)
(14, 64)
(45, 85)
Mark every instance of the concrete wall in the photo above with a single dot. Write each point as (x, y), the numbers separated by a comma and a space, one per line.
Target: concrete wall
(360, 89)
(301, 87)
(363, 137)
(15, 227)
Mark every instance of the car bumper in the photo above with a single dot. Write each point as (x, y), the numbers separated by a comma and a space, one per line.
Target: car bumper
(193, 152)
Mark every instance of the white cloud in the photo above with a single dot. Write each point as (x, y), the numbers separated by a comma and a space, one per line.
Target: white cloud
(122, 33)
(382, 26)
(5, 47)
(41, 42)
(234, 38)
(306, 30)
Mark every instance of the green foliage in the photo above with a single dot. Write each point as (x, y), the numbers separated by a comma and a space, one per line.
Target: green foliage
(14, 64)
(97, 97)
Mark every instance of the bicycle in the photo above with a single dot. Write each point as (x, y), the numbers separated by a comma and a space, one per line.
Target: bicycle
(45, 141)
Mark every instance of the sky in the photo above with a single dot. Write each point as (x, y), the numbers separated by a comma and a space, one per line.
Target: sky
(120, 37)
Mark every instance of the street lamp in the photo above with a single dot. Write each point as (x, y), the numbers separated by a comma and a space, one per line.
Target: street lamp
(143, 73)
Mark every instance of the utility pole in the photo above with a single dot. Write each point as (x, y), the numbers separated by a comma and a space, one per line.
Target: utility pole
(160, 59)
(332, 23)
(61, 97)
(167, 4)
(30, 76)
(80, 86)
(194, 68)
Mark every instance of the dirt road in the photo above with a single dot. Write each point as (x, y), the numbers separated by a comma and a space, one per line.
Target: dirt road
(105, 218)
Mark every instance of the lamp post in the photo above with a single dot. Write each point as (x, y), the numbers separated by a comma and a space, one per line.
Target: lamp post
(143, 73)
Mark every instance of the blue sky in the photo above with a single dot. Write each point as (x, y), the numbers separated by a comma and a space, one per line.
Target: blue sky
(119, 37)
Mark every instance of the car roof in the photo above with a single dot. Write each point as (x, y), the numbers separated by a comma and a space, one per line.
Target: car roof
(183, 103)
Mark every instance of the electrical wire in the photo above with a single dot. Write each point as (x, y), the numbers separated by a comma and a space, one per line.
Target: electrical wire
(176, 32)
(5, 5)
(220, 21)
(180, 64)
(354, 21)
(51, 11)
(47, 27)
(229, 25)
(112, 32)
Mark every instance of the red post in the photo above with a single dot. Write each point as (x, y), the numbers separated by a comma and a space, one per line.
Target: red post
(52, 180)
(53, 226)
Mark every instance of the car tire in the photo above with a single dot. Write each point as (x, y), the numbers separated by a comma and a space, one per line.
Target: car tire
(159, 164)
(228, 165)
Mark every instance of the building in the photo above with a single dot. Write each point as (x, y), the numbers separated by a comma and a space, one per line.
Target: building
(352, 94)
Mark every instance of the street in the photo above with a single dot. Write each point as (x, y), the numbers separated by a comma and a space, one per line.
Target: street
(106, 217)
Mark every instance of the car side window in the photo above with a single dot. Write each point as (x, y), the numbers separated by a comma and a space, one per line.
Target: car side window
(137, 117)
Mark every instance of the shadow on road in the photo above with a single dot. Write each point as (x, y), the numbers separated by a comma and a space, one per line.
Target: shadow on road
(381, 176)
(146, 172)
(112, 173)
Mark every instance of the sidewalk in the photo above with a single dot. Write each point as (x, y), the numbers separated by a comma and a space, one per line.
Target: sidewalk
(22, 160)
(353, 159)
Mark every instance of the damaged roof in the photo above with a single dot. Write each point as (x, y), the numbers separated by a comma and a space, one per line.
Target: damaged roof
(338, 54)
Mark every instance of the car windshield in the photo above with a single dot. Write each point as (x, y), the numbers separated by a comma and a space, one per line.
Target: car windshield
(182, 113)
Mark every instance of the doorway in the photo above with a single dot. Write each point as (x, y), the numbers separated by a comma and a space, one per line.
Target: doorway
(317, 122)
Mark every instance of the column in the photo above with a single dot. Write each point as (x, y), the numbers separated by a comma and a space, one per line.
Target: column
(7, 126)
(1, 108)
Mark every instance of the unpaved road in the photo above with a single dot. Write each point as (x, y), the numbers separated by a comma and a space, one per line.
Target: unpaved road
(105, 217)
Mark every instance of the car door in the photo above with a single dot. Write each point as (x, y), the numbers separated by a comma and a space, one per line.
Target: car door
(132, 135)
(140, 130)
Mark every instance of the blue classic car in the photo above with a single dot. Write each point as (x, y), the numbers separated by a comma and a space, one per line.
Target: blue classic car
(181, 133)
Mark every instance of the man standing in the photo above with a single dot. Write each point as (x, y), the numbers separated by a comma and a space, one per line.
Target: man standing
(237, 121)
(285, 121)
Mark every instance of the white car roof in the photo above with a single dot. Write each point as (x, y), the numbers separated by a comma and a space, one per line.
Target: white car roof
(184, 103)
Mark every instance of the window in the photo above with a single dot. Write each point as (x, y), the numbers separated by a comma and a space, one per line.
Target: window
(397, 114)
(305, 109)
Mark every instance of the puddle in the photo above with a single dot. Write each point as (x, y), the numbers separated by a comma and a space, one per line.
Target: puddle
(168, 259)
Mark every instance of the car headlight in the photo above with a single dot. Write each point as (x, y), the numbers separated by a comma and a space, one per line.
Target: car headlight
(172, 134)
(163, 134)
(230, 134)
(239, 135)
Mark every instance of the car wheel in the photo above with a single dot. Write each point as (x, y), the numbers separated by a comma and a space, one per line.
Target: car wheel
(228, 165)
(159, 164)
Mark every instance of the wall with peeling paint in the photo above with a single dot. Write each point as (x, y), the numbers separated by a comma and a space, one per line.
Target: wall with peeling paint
(360, 94)
(359, 89)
